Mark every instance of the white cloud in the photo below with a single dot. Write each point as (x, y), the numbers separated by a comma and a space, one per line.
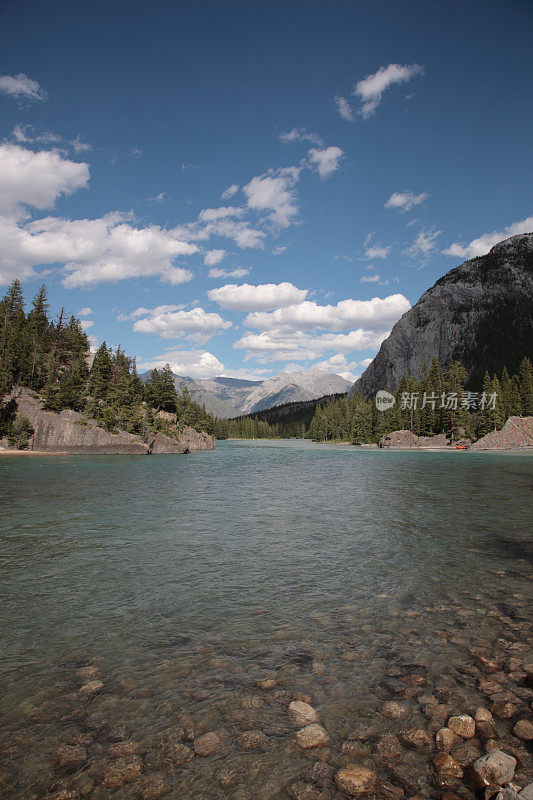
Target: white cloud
(239, 272)
(278, 249)
(290, 346)
(405, 201)
(482, 245)
(24, 134)
(247, 297)
(374, 279)
(92, 251)
(187, 363)
(214, 257)
(230, 191)
(300, 135)
(377, 251)
(85, 312)
(21, 86)
(424, 244)
(376, 314)
(158, 198)
(168, 323)
(370, 90)
(275, 192)
(213, 214)
(79, 146)
(87, 323)
(326, 161)
(339, 365)
(36, 179)
(344, 108)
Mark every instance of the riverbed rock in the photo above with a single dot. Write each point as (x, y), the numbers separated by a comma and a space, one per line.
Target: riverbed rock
(91, 688)
(524, 730)
(302, 713)
(527, 792)
(445, 739)
(486, 730)
(463, 725)
(446, 765)
(69, 757)
(121, 771)
(483, 715)
(312, 736)
(267, 684)
(416, 739)
(503, 709)
(394, 710)
(355, 780)
(253, 740)
(303, 791)
(209, 744)
(496, 768)
(178, 753)
(123, 749)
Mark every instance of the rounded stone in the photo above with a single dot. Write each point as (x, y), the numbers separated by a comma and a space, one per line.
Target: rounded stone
(302, 713)
(496, 768)
(416, 739)
(209, 744)
(312, 736)
(503, 709)
(394, 710)
(524, 730)
(69, 757)
(463, 725)
(446, 765)
(483, 715)
(445, 739)
(121, 771)
(355, 781)
(253, 740)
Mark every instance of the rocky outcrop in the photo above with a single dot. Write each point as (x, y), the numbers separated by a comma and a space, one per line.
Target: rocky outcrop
(480, 313)
(408, 440)
(73, 433)
(516, 434)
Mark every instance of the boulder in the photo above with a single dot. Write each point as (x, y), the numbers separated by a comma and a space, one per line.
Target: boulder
(209, 744)
(463, 726)
(312, 736)
(302, 713)
(355, 781)
(524, 730)
(516, 434)
(496, 768)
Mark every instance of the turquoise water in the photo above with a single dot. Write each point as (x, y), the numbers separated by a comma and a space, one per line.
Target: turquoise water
(199, 575)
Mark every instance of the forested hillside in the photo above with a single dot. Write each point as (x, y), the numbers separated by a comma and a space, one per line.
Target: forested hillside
(51, 356)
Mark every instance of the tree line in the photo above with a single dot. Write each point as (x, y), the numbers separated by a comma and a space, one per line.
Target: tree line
(51, 357)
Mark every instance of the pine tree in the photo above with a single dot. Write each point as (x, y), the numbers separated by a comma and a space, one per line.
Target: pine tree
(525, 377)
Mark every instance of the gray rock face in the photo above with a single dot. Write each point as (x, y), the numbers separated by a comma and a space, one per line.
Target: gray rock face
(70, 432)
(480, 313)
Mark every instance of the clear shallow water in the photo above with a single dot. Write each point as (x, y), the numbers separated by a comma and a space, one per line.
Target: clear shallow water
(192, 578)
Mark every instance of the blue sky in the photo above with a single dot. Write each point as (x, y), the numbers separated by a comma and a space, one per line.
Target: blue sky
(241, 187)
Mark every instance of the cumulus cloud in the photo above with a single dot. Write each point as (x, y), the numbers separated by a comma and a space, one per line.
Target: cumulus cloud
(25, 134)
(325, 161)
(376, 314)
(274, 192)
(36, 179)
(247, 297)
(405, 201)
(214, 257)
(375, 250)
(482, 245)
(344, 108)
(213, 214)
(169, 323)
(92, 251)
(424, 244)
(187, 363)
(370, 90)
(300, 135)
(87, 323)
(21, 87)
(230, 191)
(284, 345)
(339, 365)
(375, 278)
(85, 312)
(239, 272)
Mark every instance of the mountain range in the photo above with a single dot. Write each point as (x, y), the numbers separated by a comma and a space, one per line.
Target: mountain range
(480, 313)
(232, 397)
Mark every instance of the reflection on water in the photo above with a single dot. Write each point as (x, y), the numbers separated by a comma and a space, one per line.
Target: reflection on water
(182, 584)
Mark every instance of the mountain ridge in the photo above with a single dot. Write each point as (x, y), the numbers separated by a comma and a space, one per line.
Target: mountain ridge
(479, 313)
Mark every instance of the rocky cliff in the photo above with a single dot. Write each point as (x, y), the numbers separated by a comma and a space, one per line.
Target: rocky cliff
(480, 313)
(73, 433)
